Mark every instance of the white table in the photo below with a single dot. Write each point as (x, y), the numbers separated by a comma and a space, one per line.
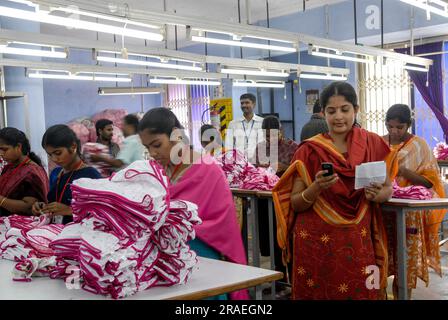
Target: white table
(209, 278)
(402, 207)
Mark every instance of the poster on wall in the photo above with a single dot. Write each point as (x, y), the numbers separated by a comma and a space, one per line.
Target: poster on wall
(311, 97)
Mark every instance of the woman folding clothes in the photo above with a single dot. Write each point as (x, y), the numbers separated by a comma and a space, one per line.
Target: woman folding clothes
(336, 231)
(416, 166)
(197, 179)
(63, 148)
(23, 181)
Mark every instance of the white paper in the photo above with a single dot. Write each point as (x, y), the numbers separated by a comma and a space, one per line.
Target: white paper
(369, 172)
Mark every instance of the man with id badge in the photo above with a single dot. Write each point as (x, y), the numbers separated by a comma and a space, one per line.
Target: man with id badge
(245, 133)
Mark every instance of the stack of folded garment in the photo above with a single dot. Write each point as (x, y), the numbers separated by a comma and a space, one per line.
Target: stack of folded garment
(127, 235)
(242, 174)
(91, 148)
(21, 244)
(127, 203)
(411, 192)
(441, 151)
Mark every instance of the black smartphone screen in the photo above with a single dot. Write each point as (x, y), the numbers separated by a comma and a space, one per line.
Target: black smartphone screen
(329, 167)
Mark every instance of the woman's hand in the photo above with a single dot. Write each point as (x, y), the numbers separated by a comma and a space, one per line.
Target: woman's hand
(37, 207)
(378, 192)
(57, 209)
(325, 182)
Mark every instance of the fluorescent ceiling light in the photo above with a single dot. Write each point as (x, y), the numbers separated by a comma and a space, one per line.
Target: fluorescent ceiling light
(242, 44)
(322, 76)
(104, 17)
(45, 17)
(315, 51)
(414, 68)
(149, 63)
(435, 6)
(186, 81)
(259, 84)
(65, 75)
(263, 73)
(33, 52)
(121, 91)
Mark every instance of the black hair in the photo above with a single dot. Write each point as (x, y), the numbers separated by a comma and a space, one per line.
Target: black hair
(249, 96)
(400, 112)
(12, 137)
(132, 120)
(101, 124)
(317, 108)
(159, 121)
(271, 122)
(206, 127)
(61, 136)
(338, 88)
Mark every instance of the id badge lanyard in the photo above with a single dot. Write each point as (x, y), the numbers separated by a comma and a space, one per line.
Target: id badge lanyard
(246, 144)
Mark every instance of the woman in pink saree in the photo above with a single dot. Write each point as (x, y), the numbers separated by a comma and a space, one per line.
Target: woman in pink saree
(200, 180)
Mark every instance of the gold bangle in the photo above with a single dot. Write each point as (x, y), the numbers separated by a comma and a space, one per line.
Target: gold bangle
(3, 200)
(305, 199)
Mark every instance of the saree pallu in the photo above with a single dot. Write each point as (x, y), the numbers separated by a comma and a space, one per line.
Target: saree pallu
(338, 240)
(422, 226)
(30, 180)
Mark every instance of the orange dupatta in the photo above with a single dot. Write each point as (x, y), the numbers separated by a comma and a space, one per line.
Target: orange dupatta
(325, 208)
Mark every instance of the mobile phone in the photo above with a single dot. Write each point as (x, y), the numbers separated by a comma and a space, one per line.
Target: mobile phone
(328, 167)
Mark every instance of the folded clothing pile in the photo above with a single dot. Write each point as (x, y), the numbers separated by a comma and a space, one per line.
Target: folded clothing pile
(128, 203)
(92, 148)
(242, 174)
(411, 192)
(21, 222)
(127, 236)
(21, 244)
(441, 151)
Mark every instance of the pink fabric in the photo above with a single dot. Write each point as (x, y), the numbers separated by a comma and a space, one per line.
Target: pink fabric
(92, 148)
(2, 164)
(411, 192)
(82, 132)
(242, 174)
(219, 228)
(441, 151)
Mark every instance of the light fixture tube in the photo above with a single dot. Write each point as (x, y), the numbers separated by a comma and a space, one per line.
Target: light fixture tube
(44, 17)
(77, 77)
(121, 91)
(33, 52)
(255, 84)
(261, 73)
(322, 77)
(242, 44)
(184, 81)
(149, 63)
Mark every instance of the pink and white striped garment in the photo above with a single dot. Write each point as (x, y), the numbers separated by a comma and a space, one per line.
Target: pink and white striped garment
(242, 174)
(411, 192)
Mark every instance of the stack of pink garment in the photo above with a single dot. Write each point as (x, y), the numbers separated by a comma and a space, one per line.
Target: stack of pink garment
(242, 174)
(127, 235)
(21, 222)
(128, 203)
(21, 244)
(411, 192)
(92, 148)
(441, 151)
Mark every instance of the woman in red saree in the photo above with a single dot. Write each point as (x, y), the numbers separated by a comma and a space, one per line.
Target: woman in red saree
(197, 179)
(337, 235)
(23, 181)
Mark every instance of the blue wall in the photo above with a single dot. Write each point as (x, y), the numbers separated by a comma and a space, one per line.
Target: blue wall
(15, 80)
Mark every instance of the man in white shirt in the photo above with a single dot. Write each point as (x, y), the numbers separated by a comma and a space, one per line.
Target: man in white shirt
(245, 133)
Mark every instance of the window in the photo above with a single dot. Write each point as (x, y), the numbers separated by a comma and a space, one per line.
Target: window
(380, 86)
